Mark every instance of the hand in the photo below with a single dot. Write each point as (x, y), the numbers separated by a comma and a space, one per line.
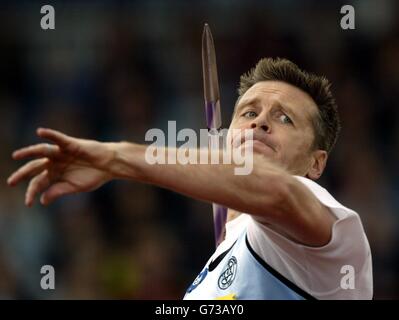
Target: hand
(68, 166)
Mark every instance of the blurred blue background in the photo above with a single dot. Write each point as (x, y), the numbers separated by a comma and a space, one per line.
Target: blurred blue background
(111, 70)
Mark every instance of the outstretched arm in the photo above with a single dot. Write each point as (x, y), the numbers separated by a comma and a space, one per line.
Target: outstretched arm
(269, 193)
(74, 165)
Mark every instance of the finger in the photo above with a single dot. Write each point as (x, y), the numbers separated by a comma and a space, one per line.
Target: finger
(55, 191)
(38, 150)
(30, 169)
(36, 185)
(55, 136)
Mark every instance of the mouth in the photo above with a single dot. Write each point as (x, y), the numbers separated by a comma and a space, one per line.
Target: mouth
(259, 142)
(257, 145)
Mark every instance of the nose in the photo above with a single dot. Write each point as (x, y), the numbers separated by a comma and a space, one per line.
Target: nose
(262, 125)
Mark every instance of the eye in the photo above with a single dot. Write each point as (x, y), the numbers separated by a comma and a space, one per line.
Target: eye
(285, 119)
(250, 114)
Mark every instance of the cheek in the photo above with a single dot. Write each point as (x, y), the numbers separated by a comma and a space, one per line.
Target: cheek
(237, 123)
(293, 146)
(234, 130)
(297, 149)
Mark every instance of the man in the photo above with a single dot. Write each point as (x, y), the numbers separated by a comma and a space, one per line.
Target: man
(286, 237)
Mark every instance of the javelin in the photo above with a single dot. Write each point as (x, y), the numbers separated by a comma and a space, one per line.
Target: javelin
(213, 115)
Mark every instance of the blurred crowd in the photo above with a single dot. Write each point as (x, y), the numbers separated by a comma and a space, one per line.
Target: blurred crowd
(111, 70)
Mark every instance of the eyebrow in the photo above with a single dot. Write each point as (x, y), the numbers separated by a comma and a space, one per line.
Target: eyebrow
(241, 104)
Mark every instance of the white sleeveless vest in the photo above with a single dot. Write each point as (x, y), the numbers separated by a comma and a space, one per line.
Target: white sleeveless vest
(239, 273)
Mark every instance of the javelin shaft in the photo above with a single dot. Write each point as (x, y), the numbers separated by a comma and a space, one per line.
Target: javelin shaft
(213, 116)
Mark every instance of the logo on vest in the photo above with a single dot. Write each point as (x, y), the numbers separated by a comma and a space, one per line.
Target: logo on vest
(198, 280)
(228, 274)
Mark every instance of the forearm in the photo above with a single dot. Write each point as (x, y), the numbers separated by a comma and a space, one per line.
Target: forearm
(268, 192)
(208, 182)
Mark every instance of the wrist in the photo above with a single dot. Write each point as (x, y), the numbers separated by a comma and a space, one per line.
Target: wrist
(126, 160)
(108, 158)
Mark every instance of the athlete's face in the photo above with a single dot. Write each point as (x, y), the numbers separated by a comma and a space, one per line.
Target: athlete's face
(281, 116)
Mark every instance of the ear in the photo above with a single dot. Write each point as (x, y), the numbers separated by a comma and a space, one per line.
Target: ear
(317, 165)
